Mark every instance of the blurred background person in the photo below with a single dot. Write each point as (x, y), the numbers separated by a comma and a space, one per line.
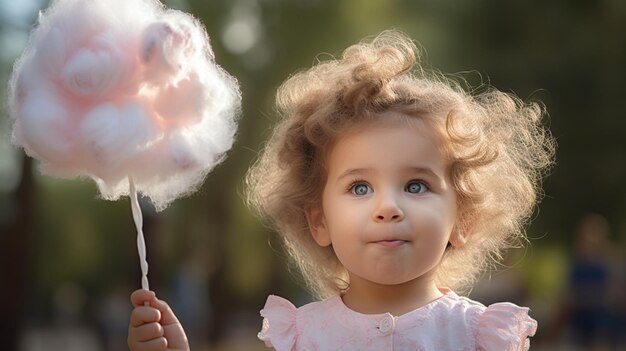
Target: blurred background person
(592, 315)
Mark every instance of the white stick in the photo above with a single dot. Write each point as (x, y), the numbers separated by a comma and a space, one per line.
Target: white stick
(141, 243)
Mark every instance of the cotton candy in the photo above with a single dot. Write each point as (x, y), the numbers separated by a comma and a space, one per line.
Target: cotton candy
(121, 90)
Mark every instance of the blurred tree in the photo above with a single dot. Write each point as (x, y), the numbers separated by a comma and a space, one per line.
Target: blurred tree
(16, 239)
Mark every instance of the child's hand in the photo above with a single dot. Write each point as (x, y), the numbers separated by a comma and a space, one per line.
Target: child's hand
(154, 327)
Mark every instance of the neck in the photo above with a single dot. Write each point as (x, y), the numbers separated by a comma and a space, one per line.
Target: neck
(372, 298)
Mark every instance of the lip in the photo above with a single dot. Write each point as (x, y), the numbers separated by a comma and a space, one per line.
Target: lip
(392, 243)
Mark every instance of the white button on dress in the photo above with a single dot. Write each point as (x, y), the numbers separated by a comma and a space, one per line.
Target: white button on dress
(386, 324)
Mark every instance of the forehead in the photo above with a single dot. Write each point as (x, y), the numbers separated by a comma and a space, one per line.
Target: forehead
(422, 124)
(387, 141)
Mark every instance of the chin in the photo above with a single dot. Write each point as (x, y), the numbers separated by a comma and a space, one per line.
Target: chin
(391, 281)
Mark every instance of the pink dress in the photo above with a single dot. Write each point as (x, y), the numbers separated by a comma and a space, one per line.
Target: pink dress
(451, 322)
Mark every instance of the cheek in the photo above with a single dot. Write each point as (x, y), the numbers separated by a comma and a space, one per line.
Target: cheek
(337, 206)
(435, 221)
(343, 217)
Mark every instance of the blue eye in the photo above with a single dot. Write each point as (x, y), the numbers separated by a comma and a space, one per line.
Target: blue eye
(416, 187)
(360, 189)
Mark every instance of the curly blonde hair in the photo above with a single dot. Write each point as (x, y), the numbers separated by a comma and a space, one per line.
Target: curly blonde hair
(496, 147)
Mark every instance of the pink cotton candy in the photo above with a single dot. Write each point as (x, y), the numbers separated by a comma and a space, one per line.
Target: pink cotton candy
(119, 89)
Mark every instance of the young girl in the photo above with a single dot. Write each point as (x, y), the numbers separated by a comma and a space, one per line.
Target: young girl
(392, 189)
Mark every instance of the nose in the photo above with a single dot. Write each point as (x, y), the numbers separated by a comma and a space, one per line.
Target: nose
(388, 210)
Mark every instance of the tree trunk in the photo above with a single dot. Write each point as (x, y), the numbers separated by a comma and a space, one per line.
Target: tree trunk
(15, 247)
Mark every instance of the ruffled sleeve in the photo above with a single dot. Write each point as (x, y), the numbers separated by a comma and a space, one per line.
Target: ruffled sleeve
(505, 327)
(279, 324)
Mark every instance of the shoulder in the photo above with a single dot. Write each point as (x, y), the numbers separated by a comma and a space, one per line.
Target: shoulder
(501, 326)
(283, 323)
(457, 310)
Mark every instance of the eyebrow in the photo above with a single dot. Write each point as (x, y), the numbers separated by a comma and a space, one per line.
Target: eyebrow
(412, 170)
(353, 171)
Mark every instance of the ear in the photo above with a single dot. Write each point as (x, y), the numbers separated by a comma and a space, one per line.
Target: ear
(317, 225)
(462, 229)
(457, 238)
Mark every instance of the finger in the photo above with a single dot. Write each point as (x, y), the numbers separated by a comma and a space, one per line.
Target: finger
(159, 344)
(142, 315)
(147, 332)
(138, 297)
(167, 315)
